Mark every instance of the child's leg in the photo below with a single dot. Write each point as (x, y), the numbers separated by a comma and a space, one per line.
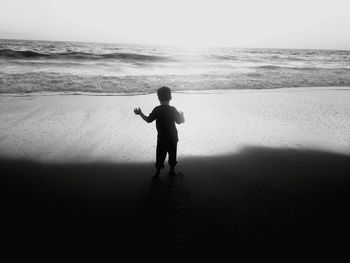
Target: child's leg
(160, 155)
(172, 149)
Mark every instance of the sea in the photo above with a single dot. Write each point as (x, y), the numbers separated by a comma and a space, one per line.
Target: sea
(44, 67)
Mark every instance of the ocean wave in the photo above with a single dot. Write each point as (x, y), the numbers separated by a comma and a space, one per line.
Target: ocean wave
(272, 67)
(225, 57)
(20, 54)
(281, 67)
(34, 82)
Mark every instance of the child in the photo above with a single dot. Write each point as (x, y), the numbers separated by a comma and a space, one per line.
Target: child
(165, 116)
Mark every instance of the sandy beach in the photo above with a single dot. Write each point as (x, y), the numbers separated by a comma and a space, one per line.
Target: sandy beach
(262, 174)
(73, 128)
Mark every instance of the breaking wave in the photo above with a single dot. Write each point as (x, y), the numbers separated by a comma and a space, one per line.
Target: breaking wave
(19, 54)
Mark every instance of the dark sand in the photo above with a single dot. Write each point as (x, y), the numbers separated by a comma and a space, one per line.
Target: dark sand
(258, 204)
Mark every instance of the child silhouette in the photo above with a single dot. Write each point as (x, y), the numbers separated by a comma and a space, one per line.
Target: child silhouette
(165, 116)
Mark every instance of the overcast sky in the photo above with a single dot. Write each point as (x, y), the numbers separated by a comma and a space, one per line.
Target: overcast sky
(237, 23)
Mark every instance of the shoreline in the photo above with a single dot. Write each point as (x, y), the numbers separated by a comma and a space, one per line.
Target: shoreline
(186, 91)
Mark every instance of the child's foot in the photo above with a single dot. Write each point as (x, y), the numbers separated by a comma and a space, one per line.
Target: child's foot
(156, 175)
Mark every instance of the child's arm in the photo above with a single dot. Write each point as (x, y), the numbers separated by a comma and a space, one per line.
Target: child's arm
(180, 118)
(138, 111)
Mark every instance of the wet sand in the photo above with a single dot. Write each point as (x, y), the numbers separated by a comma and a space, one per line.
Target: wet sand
(273, 185)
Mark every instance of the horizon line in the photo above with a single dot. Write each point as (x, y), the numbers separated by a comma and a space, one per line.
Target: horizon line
(171, 45)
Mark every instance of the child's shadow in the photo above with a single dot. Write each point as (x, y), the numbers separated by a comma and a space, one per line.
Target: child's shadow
(167, 207)
(161, 193)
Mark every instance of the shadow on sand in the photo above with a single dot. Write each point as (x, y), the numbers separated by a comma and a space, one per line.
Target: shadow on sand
(261, 203)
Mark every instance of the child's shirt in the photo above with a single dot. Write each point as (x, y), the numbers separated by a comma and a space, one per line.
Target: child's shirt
(166, 116)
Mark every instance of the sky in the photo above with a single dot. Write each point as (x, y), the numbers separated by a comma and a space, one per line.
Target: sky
(322, 24)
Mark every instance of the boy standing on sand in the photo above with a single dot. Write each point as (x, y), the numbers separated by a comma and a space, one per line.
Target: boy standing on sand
(165, 116)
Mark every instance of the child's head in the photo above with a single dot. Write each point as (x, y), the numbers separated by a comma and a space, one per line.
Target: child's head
(164, 94)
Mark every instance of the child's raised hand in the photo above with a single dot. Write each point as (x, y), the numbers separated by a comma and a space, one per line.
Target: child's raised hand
(137, 111)
(181, 119)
